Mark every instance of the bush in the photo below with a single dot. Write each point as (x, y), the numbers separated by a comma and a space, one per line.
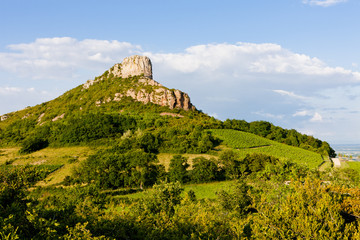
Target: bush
(177, 170)
(204, 170)
(33, 144)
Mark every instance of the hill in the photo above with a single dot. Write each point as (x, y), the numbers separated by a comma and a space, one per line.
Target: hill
(126, 98)
(123, 157)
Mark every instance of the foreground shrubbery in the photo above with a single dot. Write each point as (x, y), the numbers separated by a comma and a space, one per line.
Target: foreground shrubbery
(262, 209)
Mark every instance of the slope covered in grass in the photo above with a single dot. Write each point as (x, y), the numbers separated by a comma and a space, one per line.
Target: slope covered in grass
(247, 143)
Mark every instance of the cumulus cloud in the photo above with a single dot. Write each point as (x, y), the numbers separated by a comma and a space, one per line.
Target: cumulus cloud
(316, 118)
(249, 59)
(54, 58)
(323, 3)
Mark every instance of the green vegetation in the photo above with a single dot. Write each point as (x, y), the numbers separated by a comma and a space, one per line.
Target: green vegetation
(289, 137)
(355, 166)
(84, 167)
(241, 140)
(247, 143)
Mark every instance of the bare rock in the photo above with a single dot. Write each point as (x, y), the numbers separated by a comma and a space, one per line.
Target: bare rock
(160, 96)
(4, 117)
(171, 114)
(133, 66)
(40, 117)
(58, 117)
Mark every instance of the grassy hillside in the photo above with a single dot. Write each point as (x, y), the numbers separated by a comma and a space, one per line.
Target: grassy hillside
(247, 143)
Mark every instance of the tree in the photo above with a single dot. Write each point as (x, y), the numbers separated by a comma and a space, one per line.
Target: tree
(204, 170)
(164, 198)
(230, 164)
(239, 200)
(120, 167)
(32, 144)
(177, 169)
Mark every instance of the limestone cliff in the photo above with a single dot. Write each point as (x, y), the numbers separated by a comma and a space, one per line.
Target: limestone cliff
(143, 89)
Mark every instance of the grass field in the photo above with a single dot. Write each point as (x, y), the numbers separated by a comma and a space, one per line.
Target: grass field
(66, 156)
(247, 143)
(354, 165)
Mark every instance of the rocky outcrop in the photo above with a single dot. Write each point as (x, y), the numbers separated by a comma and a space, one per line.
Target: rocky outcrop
(145, 89)
(4, 117)
(159, 95)
(171, 114)
(58, 117)
(133, 66)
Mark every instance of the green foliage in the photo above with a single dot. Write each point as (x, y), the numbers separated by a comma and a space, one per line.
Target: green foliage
(204, 170)
(17, 131)
(231, 164)
(79, 232)
(289, 137)
(235, 138)
(33, 144)
(164, 198)
(257, 162)
(240, 140)
(186, 139)
(311, 211)
(124, 165)
(177, 169)
(238, 200)
(88, 127)
(14, 182)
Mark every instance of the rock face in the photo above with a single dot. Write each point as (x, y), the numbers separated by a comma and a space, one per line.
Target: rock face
(160, 96)
(133, 66)
(141, 66)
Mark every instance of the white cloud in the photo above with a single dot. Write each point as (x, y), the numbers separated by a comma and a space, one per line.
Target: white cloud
(316, 118)
(290, 94)
(9, 90)
(323, 3)
(301, 113)
(57, 58)
(249, 59)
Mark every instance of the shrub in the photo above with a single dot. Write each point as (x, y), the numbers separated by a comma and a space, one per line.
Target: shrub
(33, 144)
(177, 170)
(204, 170)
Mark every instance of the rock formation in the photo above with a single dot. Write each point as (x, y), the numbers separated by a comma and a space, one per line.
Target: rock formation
(141, 66)
(133, 66)
(4, 117)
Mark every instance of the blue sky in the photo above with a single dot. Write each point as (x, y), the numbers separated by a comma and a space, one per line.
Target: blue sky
(291, 62)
